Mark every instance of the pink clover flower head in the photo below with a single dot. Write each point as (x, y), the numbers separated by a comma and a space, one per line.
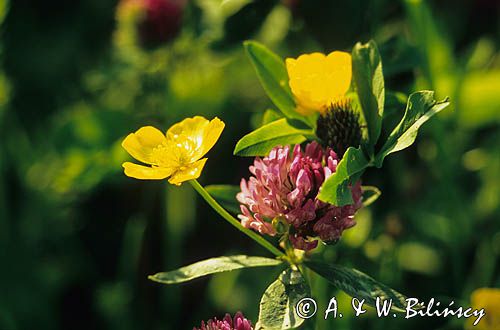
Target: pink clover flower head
(286, 185)
(239, 322)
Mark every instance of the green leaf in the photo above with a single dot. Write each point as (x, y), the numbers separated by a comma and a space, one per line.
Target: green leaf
(231, 7)
(420, 107)
(358, 284)
(270, 115)
(369, 80)
(335, 190)
(277, 305)
(225, 194)
(273, 76)
(435, 49)
(370, 195)
(212, 266)
(263, 139)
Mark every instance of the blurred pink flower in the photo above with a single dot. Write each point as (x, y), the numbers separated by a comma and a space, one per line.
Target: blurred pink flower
(238, 323)
(162, 21)
(155, 22)
(287, 186)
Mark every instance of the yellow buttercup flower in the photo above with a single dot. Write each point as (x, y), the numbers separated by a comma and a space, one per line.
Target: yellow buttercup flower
(318, 80)
(489, 299)
(176, 155)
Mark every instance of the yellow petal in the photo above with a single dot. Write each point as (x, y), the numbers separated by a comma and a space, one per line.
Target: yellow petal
(145, 172)
(306, 75)
(195, 136)
(317, 80)
(141, 143)
(188, 135)
(191, 127)
(339, 67)
(192, 171)
(212, 133)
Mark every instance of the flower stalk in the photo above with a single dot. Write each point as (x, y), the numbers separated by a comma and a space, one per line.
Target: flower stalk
(229, 218)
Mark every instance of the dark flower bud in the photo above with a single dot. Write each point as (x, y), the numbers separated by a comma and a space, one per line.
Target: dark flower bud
(161, 22)
(338, 127)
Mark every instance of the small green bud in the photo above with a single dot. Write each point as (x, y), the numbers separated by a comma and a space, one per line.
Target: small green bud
(280, 225)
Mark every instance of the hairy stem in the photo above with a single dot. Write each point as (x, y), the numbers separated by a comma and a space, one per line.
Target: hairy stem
(229, 218)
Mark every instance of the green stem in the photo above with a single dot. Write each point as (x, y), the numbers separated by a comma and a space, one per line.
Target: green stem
(229, 218)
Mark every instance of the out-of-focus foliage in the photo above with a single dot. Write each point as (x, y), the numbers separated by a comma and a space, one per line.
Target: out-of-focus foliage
(78, 238)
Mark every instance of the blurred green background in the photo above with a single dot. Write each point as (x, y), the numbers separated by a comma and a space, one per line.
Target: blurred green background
(78, 238)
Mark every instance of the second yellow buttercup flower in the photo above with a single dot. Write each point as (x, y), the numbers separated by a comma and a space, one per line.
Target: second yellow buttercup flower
(318, 80)
(176, 155)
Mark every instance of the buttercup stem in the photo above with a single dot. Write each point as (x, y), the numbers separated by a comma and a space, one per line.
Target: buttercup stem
(229, 218)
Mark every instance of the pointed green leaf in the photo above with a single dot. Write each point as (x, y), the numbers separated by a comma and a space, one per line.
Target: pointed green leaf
(358, 284)
(420, 107)
(369, 81)
(263, 139)
(335, 190)
(212, 266)
(225, 194)
(277, 306)
(273, 76)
